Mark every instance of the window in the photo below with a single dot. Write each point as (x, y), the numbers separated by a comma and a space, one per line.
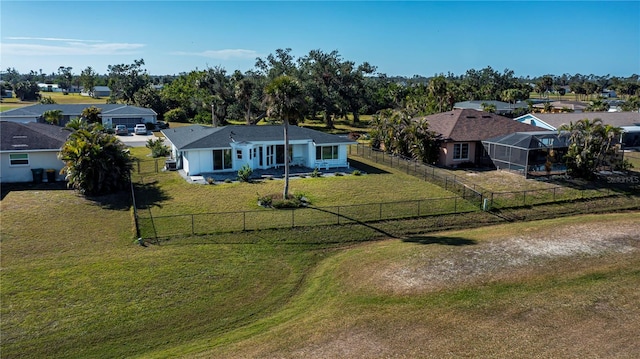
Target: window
(222, 159)
(461, 151)
(19, 159)
(326, 152)
(239, 154)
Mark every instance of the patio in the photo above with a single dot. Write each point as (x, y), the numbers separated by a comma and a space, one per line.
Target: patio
(263, 174)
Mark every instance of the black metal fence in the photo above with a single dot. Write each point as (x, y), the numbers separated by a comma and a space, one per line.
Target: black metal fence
(477, 195)
(470, 197)
(217, 222)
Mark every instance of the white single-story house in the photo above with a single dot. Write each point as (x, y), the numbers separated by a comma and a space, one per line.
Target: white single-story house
(204, 149)
(30, 146)
(628, 121)
(112, 114)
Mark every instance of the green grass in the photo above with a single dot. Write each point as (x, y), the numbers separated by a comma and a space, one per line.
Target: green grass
(75, 285)
(58, 97)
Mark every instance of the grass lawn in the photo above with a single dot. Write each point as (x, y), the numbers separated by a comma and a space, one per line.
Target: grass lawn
(58, 97)
(75, 285)
(179, 197)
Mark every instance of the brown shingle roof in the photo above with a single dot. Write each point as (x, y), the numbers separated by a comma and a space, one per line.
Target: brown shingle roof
(471, 125)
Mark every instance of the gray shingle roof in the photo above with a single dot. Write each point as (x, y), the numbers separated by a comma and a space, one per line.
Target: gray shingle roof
(617, 119)
(203, 137)
(31, 136)
(76, 110)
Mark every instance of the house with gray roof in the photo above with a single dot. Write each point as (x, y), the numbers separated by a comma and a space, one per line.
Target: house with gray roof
(502, 108)
(204, 149)
(112, 114)
(628, 121)
(30, 146)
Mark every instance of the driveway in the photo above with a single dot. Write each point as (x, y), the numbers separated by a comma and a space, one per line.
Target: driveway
(132, 140)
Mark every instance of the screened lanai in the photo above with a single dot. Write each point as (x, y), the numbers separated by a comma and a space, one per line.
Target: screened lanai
(528, 153)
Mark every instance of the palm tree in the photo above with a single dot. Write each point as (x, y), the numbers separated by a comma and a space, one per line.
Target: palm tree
(95, 162)
(52, 116)
(283, 97)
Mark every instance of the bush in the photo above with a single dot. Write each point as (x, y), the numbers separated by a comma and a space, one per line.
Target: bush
(176, 115)
(244, 173)
(316, 173)
(211, 180)
(158, 149)
(356, 173)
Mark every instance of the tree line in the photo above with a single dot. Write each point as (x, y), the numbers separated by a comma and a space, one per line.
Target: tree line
(332, 88)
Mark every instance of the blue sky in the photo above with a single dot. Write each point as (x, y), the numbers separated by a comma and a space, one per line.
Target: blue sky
(531, 38)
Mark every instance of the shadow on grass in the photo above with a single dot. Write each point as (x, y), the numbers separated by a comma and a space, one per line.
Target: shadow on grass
(448, 241)
(365, 168)
(7, 188)
(356, 221)
(149, 195)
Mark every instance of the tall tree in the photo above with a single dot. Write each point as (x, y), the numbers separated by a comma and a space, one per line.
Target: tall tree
(126, 79)
(283, 98)
(88, 79)
(65, 77)
(320, 76)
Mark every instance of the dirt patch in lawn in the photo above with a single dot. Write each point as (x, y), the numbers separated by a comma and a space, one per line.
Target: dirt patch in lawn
(499, 259)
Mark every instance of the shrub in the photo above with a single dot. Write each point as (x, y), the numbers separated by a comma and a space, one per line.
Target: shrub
(158, 149)
(176, 115)
(316, 173)
(265, 201)
(244, 173)
(227, 180)
(356, 173)
(338, 174)
(211, 180)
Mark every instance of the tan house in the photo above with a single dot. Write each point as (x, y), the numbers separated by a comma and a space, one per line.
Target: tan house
(462, 130)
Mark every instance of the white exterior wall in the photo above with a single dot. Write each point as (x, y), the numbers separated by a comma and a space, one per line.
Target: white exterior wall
(22, 173)
(195, 162)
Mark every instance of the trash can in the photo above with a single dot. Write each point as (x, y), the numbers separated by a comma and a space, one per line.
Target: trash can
(37, 175)
(51, 175)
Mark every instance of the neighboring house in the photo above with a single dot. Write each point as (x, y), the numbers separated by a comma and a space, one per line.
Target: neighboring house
(462, 131)
(49, 87)
(7, 94)
(501, 107)
(112, 114)
(628, 121)
(97, 91)
(29, 146)
(562, 106)
(203, 149)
